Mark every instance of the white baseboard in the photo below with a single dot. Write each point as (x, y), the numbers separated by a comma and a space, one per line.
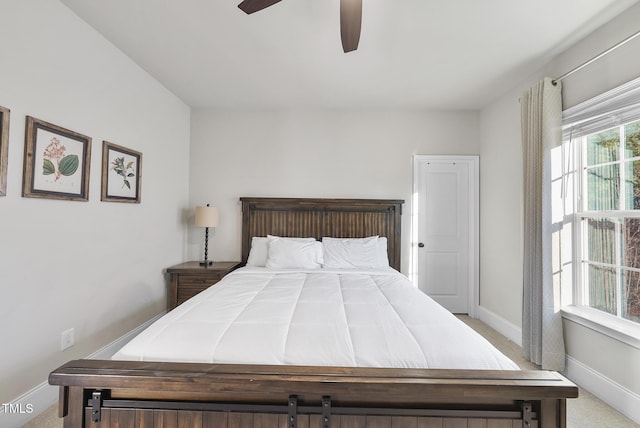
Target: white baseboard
(499, 324)
(615, 395)
(30, 404)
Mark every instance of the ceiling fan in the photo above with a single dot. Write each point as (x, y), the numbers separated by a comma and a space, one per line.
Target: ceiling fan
(350, 19)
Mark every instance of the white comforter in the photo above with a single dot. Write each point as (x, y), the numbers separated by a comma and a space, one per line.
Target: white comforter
(330, 318)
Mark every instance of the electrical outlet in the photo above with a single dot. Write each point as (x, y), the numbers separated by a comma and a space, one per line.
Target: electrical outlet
(66, 339)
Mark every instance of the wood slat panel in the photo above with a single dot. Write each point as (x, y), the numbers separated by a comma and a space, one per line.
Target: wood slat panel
(190, 419)
(476, 423)
(379, 422)
(264, 420)
(430, 423)
(120, 418)
(165, 419)
(144, 418)
(336, 421)
(304, 217)
(500, 423)
(454, 423)
(215, 419)
(353, 422)
(289, 224)
(315, 421)
(303, 421)
(404, 422)
(240, 420)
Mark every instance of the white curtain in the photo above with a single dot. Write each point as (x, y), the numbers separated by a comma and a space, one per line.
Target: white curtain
(542, 337)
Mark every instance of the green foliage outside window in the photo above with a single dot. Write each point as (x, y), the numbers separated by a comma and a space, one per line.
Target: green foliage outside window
(613, 253)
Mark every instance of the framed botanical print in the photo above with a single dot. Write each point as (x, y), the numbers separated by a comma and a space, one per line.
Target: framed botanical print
(4, 148)
(121, 174)
(56, 162)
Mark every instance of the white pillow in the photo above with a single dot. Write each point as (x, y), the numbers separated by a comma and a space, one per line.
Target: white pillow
(348, 253)
(293, 253)
(258, 252)
(383, 255)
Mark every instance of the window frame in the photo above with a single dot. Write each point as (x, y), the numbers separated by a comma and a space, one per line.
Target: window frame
(593, 116)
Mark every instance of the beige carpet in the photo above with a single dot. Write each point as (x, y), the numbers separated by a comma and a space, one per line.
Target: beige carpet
(584, 412)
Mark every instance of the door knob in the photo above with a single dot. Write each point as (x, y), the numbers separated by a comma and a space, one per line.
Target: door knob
(420, 244)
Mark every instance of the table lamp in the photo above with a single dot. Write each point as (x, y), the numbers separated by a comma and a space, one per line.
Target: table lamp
(206, 217)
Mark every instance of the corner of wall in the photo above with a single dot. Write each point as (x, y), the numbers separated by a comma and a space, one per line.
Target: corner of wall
(499, 324)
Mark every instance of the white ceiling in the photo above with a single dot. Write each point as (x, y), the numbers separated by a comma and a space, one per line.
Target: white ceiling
(437, 54)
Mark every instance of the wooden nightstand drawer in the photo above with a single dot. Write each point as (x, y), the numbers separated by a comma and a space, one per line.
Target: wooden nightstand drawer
(200, 280)
(189, 279)
(185, 293)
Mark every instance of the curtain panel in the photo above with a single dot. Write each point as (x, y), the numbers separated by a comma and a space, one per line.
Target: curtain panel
(541, 120)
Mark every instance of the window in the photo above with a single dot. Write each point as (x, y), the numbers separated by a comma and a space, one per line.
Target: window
(601, 187)
(609, 217)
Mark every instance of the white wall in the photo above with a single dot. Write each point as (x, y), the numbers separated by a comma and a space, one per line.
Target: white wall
(501, 210)
(313, 154)
(93, 266)
(501, 187)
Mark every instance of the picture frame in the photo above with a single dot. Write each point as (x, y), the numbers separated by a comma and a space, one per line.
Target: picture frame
(56, 162)
(121, 174)
(4, 148)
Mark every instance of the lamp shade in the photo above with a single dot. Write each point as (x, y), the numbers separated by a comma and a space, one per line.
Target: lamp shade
(207, 216)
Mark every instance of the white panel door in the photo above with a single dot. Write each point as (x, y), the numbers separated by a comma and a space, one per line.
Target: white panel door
(446, 235)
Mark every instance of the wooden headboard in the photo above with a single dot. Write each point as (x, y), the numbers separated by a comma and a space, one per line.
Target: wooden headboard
(341, 218)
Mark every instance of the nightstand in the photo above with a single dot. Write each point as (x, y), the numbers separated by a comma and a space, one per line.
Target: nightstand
(188, 279)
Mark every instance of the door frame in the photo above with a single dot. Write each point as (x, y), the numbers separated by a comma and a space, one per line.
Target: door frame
(474, 223)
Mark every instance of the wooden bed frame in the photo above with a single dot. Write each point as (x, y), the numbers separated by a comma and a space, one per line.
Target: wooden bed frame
(97, 393)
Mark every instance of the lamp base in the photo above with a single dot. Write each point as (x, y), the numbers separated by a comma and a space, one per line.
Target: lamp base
(206, 263)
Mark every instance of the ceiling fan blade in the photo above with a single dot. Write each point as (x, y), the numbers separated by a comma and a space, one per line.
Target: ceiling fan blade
(250, 6)
(350, 23)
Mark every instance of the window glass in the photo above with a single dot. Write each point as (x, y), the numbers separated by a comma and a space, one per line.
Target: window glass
(602, 241)
(603, 187)
(631, 296)
(632, 139)
(631, 243)
(632, 185)
(603, 147)
(602, 288)
(632, 168)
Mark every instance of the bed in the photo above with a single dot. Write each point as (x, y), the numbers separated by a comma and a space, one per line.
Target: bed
(322, 380)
